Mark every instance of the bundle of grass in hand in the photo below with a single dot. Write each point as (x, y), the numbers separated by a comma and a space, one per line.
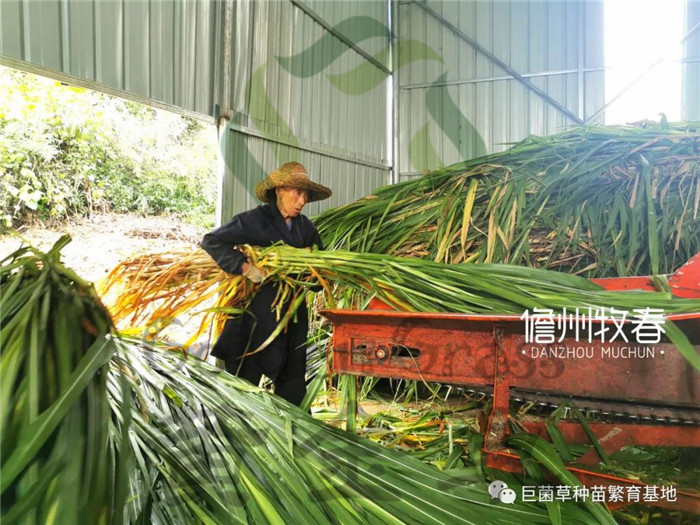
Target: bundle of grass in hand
(148, 292)
(55, 460)
(409, 284)
(599, 201)
(417, 285)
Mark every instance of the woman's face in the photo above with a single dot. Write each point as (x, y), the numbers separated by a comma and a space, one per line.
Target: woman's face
(290, 201)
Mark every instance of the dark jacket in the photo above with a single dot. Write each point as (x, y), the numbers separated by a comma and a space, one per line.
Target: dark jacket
(262, 226)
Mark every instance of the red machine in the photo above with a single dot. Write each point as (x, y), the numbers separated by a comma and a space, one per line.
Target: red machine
(651, 386)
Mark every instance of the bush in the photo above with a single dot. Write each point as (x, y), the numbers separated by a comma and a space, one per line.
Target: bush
(70, 151)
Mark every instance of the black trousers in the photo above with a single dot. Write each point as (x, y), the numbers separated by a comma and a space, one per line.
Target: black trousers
(283, 360)
(290, 383)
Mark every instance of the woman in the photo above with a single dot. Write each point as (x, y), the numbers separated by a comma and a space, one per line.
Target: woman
(285, 191)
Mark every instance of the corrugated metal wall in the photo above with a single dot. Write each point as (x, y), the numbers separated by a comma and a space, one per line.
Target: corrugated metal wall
(347, 16)
(690, 105)
(456, 102)
(163, 51)
(299, 92)
(296, 91)
(306, 80)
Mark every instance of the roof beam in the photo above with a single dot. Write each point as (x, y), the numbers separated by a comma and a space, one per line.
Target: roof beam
(352, 45)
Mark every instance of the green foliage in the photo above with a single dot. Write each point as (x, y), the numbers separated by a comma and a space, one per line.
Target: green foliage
(54, 409)
(67, 151)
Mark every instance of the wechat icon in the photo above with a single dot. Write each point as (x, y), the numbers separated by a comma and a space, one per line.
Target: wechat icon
(499, 490)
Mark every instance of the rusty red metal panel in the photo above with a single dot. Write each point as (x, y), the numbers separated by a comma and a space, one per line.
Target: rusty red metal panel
(614, 436)
(625, 283)
(461, 349)
(686, 281)
(651, 373)
(433, 348)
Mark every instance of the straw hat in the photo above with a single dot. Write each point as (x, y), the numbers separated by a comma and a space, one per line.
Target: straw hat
(293, 175)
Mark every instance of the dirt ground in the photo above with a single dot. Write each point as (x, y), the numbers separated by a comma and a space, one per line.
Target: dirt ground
(100, 242)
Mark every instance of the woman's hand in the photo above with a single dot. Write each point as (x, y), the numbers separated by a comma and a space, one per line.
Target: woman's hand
(252, 272)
